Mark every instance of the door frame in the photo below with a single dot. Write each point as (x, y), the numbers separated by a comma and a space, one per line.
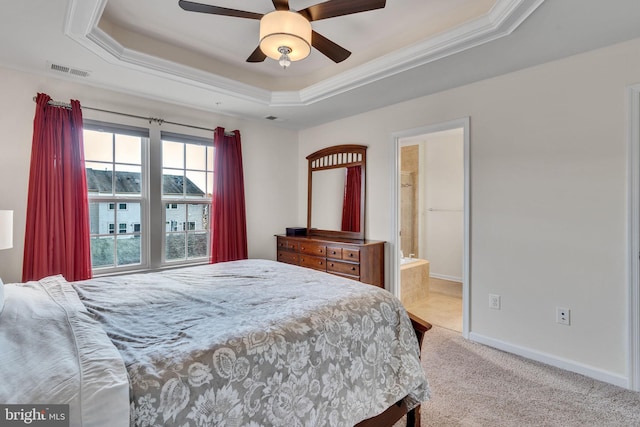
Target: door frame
(633, 236)
(395, 211)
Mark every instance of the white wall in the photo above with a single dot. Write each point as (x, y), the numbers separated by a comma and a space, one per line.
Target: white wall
(548, 200)
(270, 188)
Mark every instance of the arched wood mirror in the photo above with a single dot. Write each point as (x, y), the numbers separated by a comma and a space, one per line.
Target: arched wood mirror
(336, 192)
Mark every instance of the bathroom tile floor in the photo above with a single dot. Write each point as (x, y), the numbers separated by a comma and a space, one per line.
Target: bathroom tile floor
(443, 307)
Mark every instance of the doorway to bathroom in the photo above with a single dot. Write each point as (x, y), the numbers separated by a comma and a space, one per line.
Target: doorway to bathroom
(433, 223)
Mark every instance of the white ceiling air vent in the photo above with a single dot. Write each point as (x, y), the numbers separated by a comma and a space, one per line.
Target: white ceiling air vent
(68, 70)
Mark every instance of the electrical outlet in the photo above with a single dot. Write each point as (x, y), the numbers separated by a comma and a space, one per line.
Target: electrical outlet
(494, 301)
(563, 316)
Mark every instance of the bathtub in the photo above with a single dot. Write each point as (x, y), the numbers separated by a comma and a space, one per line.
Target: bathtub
(414, 280)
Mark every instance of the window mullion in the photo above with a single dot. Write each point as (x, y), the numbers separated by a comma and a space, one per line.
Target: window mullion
(156, 216)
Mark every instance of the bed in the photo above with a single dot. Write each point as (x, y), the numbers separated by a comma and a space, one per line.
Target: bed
(245, 343)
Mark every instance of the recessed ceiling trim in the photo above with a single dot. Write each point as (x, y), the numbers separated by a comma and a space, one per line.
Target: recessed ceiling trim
(502, 20)
(506, 15)
(82, 26)
(162, 67)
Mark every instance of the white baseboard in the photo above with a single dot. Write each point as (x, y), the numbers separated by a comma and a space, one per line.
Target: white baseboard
(558, 362)
(445, 277)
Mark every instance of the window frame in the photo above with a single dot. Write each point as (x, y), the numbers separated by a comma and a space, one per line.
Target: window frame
(115, 201)
(152, 201)
(180, 226)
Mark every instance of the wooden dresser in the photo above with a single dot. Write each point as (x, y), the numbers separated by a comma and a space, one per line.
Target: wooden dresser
(361, 260)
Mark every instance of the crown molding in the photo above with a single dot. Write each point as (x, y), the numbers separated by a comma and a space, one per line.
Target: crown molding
(502, 20)
(504, 17)
(82, 26)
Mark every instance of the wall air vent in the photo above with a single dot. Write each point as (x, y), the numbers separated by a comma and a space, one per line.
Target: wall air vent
(68, 70)
(80, 73)
(61, 68)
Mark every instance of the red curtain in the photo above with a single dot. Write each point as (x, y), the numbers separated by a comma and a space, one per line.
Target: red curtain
(352, 199)
(57, 231)
(229, 218)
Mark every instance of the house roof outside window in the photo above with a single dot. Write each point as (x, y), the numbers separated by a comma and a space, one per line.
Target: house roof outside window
(99, 181)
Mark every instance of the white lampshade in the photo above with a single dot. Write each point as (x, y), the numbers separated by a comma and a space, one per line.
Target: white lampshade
(6, 229)
(283, 28)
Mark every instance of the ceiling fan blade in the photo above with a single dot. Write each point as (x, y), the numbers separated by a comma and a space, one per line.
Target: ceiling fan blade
(331, 50)
(281, 4)
(333, 8)
(215, 10)
(257, 56)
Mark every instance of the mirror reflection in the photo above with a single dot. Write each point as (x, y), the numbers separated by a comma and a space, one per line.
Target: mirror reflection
(336, 199)
(336, 191)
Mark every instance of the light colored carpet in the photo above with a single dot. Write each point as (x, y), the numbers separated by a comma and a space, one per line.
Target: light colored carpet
(475, 385)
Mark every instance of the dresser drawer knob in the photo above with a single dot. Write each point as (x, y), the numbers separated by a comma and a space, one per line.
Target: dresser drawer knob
(353, 269)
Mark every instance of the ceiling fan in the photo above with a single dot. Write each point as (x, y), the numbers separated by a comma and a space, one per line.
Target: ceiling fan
(286, 35)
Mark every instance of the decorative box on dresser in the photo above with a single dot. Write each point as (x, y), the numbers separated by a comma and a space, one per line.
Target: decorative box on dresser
(361, 260)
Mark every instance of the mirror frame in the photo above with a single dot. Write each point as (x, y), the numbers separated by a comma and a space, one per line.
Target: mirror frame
(337, 156)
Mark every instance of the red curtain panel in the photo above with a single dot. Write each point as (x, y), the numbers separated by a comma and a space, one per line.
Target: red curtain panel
(57, 230)
(352, 199)
(229, 218)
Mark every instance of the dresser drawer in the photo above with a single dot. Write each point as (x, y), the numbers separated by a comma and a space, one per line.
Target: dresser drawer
(343, 268)
(288, 257)
(290, 245)
(334, 252)
(351, 254)
(315, 262)
(313, 249)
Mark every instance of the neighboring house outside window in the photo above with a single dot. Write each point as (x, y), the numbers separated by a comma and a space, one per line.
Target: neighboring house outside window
(116, 166)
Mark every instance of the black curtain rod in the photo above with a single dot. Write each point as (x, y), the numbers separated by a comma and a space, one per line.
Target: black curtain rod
(150, 119)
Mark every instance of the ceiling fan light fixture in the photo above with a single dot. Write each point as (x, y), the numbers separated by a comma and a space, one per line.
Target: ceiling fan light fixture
(284, 60)
(285, 29)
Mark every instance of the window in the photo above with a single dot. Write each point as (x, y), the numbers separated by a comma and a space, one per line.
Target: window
(114, 166)
(187, 183)
(122, 207)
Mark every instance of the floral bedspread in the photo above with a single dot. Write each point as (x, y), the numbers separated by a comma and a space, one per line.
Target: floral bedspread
(257, 343)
